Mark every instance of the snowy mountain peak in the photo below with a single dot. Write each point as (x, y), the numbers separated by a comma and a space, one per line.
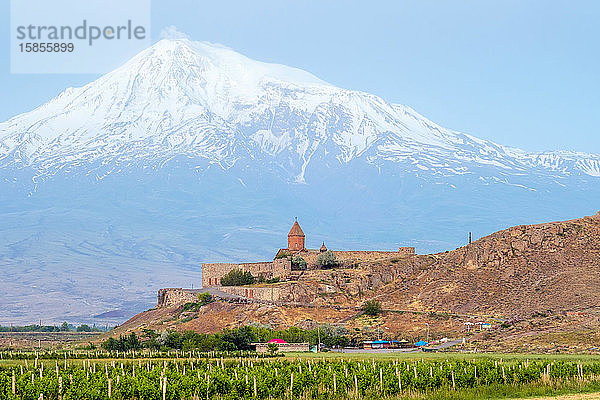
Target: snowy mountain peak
(205, 101)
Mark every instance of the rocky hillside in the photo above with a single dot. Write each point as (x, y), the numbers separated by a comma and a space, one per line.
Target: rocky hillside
(539, 282)
(553, 267)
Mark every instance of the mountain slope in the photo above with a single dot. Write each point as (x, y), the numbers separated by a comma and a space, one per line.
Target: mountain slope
(191, 152)
(518, 272)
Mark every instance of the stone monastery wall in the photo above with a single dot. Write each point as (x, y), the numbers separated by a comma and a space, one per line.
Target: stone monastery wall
(270, 293)
(212, 273)
(175, 296)
(349, 257)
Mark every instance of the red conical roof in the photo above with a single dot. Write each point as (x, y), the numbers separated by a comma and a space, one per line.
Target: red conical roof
(296, 230)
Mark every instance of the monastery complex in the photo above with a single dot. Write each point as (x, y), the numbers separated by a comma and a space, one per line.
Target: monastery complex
(281, 266)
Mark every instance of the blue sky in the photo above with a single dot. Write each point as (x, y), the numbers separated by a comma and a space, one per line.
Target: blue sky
(521, 73)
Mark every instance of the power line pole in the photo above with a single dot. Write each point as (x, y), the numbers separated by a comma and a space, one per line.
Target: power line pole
(319, 338)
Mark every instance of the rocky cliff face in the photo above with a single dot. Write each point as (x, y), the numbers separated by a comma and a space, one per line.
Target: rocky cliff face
(519, 271)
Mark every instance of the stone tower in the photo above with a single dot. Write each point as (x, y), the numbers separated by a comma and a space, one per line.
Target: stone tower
(296, 238)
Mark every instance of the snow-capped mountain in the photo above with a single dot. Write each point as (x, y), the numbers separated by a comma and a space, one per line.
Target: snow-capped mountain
(200, 100)
(191, 152)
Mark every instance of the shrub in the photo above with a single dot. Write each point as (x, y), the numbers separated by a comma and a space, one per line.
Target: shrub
(371, 307)
(327, 260)
(240, 338)
(298, 263)
(261, 279)
(272, 347)
(124, 343)
(204, 299)
(190, 307)
(236, 277)
(84, 328)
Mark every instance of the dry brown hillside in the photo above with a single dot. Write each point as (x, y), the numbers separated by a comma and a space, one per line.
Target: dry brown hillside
(516, 272)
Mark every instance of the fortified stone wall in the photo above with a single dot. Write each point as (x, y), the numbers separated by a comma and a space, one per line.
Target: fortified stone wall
(350, 257)
(270, 293)
(175, 296)
(212, 273)
(368, 256)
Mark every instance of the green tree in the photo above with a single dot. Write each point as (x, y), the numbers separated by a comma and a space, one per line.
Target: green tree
(84, 328)
(237, 277)
(371, 307)
(327, 260)
(133, 343)
(64, 327)
(172, 340)
(242, 337)
(298, 263)
(272, 348)
(226, 346)
(110, 344)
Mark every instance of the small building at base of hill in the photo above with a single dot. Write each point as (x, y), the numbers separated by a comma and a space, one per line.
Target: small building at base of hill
(283, 347)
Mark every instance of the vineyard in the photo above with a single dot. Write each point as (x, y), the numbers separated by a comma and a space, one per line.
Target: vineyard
(35, 378)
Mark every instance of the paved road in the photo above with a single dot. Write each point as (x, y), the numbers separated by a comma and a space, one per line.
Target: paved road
(447, 344)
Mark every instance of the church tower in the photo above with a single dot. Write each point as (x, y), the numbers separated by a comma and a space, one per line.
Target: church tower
(296, 238)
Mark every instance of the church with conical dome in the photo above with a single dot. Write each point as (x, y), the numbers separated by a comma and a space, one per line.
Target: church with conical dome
(296, 238)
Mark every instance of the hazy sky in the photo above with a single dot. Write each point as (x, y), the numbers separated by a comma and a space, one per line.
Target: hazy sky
(521, 73)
